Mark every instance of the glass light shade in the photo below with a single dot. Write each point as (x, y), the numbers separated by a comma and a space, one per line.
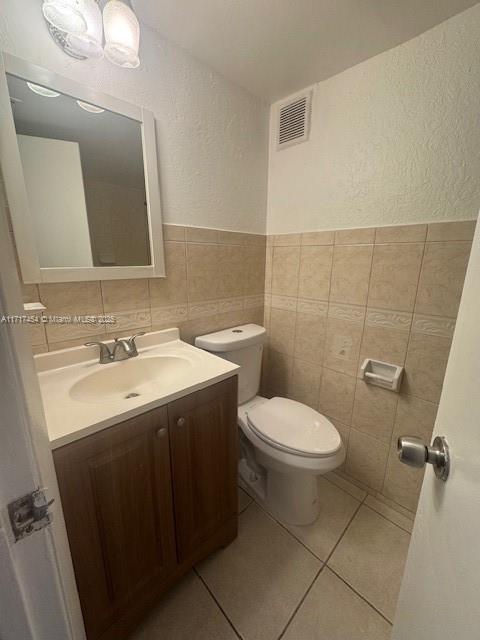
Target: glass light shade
(65, 15)
(91, 108)
(42, 91)
(122, 34)
(88, 44)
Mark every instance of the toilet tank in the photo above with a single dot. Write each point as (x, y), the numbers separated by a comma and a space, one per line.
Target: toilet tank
(242, 345)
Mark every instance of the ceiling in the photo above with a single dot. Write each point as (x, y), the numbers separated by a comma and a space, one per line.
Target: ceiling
(273, 48)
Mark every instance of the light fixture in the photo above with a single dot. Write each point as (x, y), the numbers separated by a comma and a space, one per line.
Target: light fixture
(91, 108)
(89, 43)
(122, 34)
(77, 27)
(65, 15)
(42, 91)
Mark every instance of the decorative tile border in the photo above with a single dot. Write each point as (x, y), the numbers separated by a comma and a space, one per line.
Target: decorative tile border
(283, 302)
(173, 313)
(202, 309)
(346, 312)
(433, 325)
(388, 319)
(253, 302)
(230, 304)
(313, 307)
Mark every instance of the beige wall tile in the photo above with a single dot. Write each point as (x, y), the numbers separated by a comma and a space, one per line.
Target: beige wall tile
(268, 268)
(442, 277)
(286, 263)
(67, 332)
(125, 295)
(173, 232)
(342, 345)
(336, 395)
(287, 240)
(279, 369)
(402, 233)
(442, 231)
(387, 345)
(310, 335)
(315, 272)
(199, 234)
(318, 238)
(402, 483)
(366, 459)
(71, 298)
(343, 430)
(282, 331)
(173, 288)
(350, 274)
(202, 270)
(427, 358)
(254, 239)
(36, 334)
(415, 417)
(374, 411)
(355, 236)
(395, 272)
(230, 237)
(30, 293)
(254, 268)
(305, 384)
(232, 274)
(77, 342)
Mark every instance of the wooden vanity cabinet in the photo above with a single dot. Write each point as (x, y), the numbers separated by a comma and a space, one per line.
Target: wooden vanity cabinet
(145, 500)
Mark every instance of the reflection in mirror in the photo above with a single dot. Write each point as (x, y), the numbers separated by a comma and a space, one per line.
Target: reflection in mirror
(83, 169)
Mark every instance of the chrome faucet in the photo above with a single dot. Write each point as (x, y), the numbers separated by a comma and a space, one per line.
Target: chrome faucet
(122, 349)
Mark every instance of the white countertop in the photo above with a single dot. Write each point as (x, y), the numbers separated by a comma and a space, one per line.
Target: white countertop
(69, 419)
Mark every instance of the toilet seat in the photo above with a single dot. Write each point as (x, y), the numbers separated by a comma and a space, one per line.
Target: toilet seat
(295, 428)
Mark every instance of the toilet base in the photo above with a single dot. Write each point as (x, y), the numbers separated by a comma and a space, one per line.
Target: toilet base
(291, 498)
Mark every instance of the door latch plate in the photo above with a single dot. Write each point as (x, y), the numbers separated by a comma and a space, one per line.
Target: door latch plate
(29, 513)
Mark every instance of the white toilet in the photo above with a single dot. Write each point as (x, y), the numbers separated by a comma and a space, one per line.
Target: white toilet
(285, 445)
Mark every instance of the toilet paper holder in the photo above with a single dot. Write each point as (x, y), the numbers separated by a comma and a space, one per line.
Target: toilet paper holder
(382, 374)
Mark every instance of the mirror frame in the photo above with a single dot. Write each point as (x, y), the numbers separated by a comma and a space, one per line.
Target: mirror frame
(16, 191)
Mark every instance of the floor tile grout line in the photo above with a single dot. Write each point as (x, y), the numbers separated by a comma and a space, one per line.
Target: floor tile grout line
(362, 597)
(388, 519)
(237, 633)
(302, 599)
(344, 532)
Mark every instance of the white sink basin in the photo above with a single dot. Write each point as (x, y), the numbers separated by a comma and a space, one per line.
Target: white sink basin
(130, 379)
(82, 396)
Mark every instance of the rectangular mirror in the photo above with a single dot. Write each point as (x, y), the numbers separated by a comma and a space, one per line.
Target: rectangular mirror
(82, 180)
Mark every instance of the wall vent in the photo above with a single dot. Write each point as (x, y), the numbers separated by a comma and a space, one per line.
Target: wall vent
(294, 121)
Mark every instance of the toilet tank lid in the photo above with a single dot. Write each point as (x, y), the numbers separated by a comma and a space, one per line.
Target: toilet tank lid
(239, 337)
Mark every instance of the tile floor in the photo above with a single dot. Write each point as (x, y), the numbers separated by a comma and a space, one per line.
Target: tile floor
(337, 579)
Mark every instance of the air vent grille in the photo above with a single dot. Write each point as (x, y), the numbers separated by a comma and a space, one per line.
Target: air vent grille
(294, 121)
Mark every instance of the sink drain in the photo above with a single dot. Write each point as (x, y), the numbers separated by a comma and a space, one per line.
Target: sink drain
(132, 395)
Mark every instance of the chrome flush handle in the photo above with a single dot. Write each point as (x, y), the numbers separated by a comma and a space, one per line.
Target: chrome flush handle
(413, 452)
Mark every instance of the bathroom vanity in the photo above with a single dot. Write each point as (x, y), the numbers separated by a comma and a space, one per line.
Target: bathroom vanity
(150, 490)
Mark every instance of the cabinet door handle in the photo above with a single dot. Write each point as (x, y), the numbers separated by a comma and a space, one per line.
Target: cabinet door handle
(161, 433)
(181, 422)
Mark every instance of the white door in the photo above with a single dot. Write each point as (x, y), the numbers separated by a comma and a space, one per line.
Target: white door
(440, 594)
(38, 598)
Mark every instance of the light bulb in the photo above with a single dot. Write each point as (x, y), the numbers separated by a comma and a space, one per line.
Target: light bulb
(65, 15)
(91, 108)
(42, 91)
(89, 43)
(122, 34)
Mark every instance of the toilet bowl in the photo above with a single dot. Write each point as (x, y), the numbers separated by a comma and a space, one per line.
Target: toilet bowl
(284, 445)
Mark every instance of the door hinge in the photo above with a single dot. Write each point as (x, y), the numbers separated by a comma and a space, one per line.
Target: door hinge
(29, 513)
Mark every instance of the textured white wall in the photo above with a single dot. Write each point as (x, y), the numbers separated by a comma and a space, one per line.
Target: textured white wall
(395, 139)
(212, 135)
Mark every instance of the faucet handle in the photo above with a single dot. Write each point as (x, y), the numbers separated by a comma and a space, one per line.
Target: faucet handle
(105, 353)
(131, 341)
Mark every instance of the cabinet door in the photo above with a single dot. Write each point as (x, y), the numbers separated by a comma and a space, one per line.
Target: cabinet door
(116, 495)
(203, 428)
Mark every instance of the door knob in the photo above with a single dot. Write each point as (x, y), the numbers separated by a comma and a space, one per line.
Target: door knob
(161, 433)
(181, 422)
(415, 453)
